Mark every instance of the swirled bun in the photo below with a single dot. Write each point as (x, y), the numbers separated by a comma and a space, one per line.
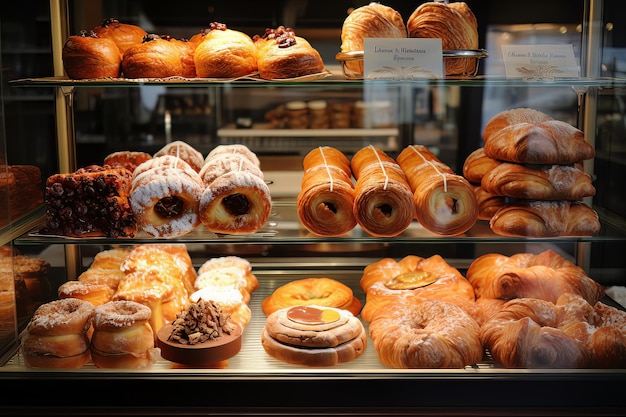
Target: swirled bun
(87, 56)
(56, 336)
(313, 336)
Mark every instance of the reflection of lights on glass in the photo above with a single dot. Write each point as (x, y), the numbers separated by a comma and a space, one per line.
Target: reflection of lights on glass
(609, 26)
(579, 28)
(506, 36)
(604, 67)
(562, 30)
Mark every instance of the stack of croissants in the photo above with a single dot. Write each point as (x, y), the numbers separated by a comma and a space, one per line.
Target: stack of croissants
(114, 49)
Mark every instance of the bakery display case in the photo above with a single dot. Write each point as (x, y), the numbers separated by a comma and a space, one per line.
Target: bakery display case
(282, 122)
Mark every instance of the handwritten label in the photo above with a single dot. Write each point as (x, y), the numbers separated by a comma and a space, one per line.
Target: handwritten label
(540, 62)
(402, 59)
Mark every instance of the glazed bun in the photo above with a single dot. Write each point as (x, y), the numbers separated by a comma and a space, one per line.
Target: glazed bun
(124, 35)
(87, 55)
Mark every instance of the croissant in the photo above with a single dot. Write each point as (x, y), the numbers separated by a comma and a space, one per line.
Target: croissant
(445, 203)
(536, 218)
(383, 203)
(477, 164)
(511, 117)
(372, 20)
(326, 199)
(155, 57)
(125, 35)
(89, 56)
(525, 334)
(225, 53)
(550, 142)
(453, 23)
(281, 54)
(488, 204)
(545, 276)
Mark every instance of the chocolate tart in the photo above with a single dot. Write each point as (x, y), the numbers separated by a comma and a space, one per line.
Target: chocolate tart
(204, 353)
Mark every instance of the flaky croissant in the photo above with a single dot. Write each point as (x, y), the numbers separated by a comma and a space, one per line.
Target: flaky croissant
(537, 218)
(281, 54)
(453, 23)
(445, 202)
(373, 20)
(511, 117)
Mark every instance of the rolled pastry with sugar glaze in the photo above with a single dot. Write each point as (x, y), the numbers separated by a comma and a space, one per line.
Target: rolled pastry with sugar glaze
(223, 163)
(237, 149)
(477, 164)
(538, 182)
(326, 199)
(184, 151)
(488, 204)
(383, 203)
(536, 218)
(445, 202)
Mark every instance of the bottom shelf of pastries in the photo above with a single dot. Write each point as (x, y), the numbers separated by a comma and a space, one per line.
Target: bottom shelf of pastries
(502, 313)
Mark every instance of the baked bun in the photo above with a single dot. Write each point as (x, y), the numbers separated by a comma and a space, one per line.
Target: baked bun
(124, 35)
(187, 52)
(325, 292)
(156, 57)
(314, 336)
(126, 159)
(281, 54)
(88, 56)
(455, 24)
(372, 20)
(225, 53)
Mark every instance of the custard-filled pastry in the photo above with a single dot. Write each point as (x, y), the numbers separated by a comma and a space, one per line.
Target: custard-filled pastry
(454, 23)
(225, 53)
(87, 55)
(383, 203)
(281, 54)
(156, 57)
(326, 199)
(373, 20)
(445, 202)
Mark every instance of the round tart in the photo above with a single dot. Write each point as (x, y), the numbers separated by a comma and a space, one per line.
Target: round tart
(225, 347)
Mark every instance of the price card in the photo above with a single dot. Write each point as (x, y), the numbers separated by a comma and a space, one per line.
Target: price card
(540, 62)
(401, 59)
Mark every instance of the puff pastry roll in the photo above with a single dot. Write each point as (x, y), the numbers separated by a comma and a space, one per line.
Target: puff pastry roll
(383, 203)
(545, 219)
(326, 199)
(477, 164)
(445, 202)
(488, 204)
(538, 182)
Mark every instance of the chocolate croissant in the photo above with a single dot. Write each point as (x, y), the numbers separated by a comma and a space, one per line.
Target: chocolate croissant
(445, 202)
(326, 199)
(383, 204)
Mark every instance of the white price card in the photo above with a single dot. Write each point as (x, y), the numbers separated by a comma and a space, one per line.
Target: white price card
(540, 62)
(401, 59)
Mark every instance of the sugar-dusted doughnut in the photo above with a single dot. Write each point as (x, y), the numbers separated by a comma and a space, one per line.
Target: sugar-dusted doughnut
(325, 292)
(235, 203)
(95, 293)
(122, 336)
(165, 198)
(314, 335)
(236, 148)
(224, 163)
(235, 264)
(56, 336)
(184, 151)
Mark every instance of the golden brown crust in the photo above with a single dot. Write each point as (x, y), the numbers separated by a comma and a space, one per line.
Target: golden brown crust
(545, 276)
(536, 218)
(126, 159)
(373, 20)
(453, 23)
(124, 35)
(88, 56)
(426, 334)
(187, 51)
(383, 204)
(445, 202)
(225, 53)
(326, 199)
(277, 59)
(477, 164)
(488, 204)
(184, 151)
(511, 117)
(96, 294)
(155, 57)
(324, 292)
